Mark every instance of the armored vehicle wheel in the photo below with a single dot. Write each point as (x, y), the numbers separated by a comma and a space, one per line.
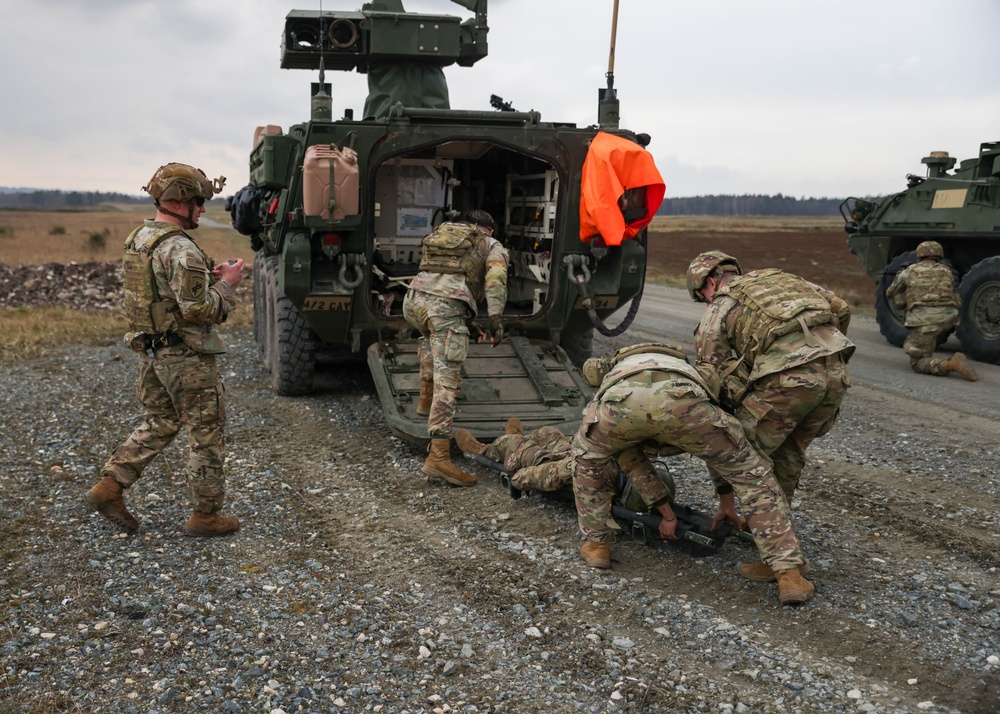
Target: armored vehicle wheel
(889, 317)
(580, 348)
(979, 330)
(292, 347)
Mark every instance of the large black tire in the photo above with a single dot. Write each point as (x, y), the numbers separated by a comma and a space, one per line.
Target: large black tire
(889, 317)
(979, 329)
(579, 348)
(293, 348)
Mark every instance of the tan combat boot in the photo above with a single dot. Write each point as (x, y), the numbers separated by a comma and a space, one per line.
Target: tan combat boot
(210, 524)
(793, 589)
(597, 555)
(959, 364)
(426, 397)
(106, 498)
(513, 426)
(468, 443)
(439, 464)
(760, 572)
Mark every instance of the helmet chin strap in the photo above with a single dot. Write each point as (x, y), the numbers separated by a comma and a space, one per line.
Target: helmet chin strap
(191, 224)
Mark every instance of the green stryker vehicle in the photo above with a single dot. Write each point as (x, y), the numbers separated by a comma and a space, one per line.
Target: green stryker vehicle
(336, 210)
(959, 210)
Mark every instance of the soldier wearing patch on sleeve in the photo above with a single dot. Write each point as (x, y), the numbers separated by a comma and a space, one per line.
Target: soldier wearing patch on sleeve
(779, 345)
(926, 290)
(174, 298)
(461, 263)
(650, 394)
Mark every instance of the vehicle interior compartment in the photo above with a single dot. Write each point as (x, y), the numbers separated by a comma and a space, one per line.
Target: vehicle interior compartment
(416, 192)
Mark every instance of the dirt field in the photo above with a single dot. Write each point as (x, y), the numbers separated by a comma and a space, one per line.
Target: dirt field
(356, 581)
(816, 249)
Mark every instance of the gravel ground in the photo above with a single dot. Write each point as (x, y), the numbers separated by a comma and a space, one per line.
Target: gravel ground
(355, 585)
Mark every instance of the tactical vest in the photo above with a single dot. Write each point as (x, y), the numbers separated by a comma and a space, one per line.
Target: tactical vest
(775, 304)
(645, 362)
(930, 284)
(661, 348)
(457, 249)
(144, 309)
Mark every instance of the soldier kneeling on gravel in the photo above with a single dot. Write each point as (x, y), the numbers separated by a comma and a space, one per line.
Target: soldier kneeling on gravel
(649, 393)
(926, 290)
(174, 298)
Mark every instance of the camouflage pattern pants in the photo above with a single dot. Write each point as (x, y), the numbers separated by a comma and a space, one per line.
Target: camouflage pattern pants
(920, 345)
(541, 460)
(676, 411)
(180, 388)
(442, 348)
(785, 411)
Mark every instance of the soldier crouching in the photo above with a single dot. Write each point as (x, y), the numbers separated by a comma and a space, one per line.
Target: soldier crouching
(926, 290)
(653, 395)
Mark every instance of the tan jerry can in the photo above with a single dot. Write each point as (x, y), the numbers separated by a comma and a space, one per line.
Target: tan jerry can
(328, 168)
(262, 131)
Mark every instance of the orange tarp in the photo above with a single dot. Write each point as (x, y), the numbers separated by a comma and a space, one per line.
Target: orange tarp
(614, 165)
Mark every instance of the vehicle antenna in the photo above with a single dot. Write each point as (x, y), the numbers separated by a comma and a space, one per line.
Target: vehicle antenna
(607, 109)
(322, 34)
(610, 94)
(322, 103)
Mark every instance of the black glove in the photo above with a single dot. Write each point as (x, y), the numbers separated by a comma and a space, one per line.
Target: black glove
(496, 329)
(475, 331)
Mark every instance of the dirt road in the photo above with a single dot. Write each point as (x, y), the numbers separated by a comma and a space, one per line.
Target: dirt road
(899, 511)
(356, 585)
(879, 369)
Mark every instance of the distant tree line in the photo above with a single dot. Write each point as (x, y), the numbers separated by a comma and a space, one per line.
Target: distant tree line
(746, 205)
(63, 199)
(749, 205)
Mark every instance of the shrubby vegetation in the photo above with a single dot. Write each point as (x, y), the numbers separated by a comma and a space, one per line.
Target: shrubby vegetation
(721, 205)
(749, 205)
(62, 199)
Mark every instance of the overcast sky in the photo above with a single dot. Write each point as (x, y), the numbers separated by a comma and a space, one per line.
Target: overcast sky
(804, 98)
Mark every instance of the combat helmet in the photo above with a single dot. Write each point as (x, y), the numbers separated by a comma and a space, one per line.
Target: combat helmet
(183, 183)
(929, 249)
(702, 266)
(595, 369)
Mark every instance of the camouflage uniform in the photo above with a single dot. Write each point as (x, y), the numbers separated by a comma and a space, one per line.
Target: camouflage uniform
(656, 399)
(794, 367)
(540, 461)
(439, 304)
(927, 290)
(181, 386)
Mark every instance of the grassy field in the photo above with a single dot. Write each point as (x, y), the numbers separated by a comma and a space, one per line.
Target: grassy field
(28, 331)
(39, 237)
(745, 224)
(815, 248)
